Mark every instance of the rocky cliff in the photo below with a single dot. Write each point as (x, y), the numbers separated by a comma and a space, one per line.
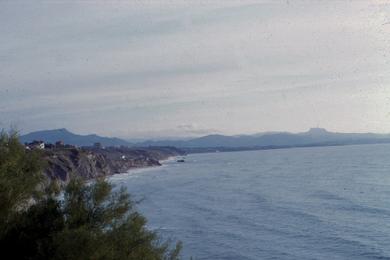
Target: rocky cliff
(90, 163)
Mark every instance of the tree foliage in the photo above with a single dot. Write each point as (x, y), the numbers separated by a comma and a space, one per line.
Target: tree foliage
(40, 221)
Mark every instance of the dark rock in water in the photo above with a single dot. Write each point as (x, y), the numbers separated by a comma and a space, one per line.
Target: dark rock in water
(90, 163)
(181, 161)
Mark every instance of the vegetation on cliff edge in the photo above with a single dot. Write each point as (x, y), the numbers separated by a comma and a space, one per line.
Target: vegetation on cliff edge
(40, 220)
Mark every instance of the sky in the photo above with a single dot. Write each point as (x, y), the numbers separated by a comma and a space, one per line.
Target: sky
(152, 69)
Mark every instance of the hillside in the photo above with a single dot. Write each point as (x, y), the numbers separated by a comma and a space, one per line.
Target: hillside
(52, 136)
(89, 163)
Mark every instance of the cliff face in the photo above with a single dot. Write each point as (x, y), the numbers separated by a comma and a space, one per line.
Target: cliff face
(91, 163)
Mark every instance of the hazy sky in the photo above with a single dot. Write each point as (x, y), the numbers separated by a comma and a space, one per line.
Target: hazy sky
(148, 68)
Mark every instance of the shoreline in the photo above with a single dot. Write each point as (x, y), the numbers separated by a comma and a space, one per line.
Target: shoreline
(92, 163)
(170, 159)
(135, 170)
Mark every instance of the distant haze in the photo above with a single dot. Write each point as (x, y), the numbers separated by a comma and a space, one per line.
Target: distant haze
(144, 69)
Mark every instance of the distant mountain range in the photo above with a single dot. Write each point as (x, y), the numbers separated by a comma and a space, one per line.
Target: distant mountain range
(313, 137)
(52, 136)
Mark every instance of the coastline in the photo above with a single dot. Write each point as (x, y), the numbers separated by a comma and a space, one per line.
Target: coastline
(92, 163)
(133, 172)
(169, 159)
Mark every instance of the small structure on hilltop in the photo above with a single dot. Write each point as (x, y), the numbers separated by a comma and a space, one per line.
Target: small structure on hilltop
(36, 145)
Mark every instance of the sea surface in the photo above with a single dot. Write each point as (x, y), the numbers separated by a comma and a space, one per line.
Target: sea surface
(303, 203)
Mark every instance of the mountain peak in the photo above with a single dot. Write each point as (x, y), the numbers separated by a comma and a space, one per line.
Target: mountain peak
(62, 130)
(317, 131)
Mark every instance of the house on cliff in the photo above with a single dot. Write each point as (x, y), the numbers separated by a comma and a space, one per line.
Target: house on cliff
(36, 145)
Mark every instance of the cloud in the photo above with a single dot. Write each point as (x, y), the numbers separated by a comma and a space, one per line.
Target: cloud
(120, 68)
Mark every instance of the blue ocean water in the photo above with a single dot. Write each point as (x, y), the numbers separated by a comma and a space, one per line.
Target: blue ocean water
(303, 203)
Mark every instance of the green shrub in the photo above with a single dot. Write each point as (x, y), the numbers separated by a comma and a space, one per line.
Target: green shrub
(88, 222)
